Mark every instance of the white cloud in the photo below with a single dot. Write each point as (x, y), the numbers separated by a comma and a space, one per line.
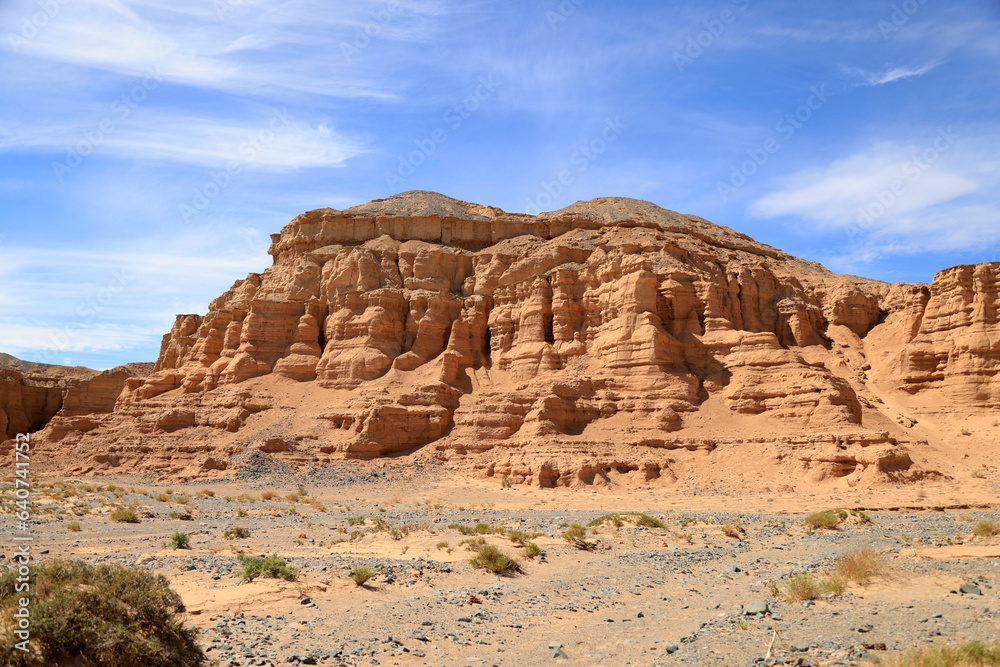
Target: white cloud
(836, 193)
(120, 296)
(275, 138)
(19, 338)
(891, 200)
(246, 47)
(896, 74)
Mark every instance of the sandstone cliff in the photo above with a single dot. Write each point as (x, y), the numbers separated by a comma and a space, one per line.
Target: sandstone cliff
(32, 394)
(608, 342)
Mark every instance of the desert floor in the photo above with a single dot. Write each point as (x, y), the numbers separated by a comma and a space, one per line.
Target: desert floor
(628, 595)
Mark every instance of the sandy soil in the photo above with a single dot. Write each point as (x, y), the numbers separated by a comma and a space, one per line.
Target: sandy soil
(634, 596)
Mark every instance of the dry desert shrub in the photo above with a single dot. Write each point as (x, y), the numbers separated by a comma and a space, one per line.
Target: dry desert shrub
(971, 654)
(273, 567)
(826, 520)
(496, 561)
(114, 616)
(860, 566)
(362, 575)
(986, 528)
(734, 530)
(576, 535)
(124, 515)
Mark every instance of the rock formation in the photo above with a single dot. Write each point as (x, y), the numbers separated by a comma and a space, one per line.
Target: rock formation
(608, 342)
(32, 394)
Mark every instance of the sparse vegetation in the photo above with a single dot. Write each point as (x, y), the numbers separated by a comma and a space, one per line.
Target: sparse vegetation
(826, 520)
(268, 495)
(970, 654)
(620, 519)
(966, 431)
(979, 474)
(116, 616)
(240, 511)
(441, 545)
(576, 535)
(478, 529)
(805, 586)
(496, 561)
(986, 528)
(180, 540)
(733, 530)
(237, 533)
(273, 567)
(532, 550)
(860, 566)
(355, 520)
(362, 575)
(124, 515)
(73, 526)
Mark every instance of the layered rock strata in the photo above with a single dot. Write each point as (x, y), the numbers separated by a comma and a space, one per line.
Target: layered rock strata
(610, 341)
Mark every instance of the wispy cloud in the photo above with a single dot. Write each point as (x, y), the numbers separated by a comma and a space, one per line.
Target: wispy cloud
(274, 138)
(246, 47)
(835, 193)
(893, 199)
(896, 74)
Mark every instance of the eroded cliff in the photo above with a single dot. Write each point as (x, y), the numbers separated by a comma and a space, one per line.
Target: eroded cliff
(611, 341)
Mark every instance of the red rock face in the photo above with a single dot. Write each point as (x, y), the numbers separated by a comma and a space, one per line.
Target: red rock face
(612, 340)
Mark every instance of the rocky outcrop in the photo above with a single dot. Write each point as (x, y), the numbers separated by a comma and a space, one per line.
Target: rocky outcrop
(23, 407)
(607, 341)
(32, 395)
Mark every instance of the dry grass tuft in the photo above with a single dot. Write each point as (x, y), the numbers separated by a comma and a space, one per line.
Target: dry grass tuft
(860, 566)
(971, 654)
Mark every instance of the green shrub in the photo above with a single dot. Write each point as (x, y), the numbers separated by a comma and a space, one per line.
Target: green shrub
(986, 528)
(478, 529)
(124, 515)
(826, 520)
(532, 550)
(519, 537)
(361, 575)
(355, 520)
(110, 615)
(180, 540)
(576, 535)
(804, 586)
(620, 518)
(273, 567)
(490, 558)
(237, 533)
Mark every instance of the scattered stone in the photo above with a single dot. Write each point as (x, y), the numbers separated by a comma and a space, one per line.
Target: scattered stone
(755, 608)
(970, 589)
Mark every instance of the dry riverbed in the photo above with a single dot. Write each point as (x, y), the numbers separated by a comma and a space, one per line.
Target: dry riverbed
(710, 579)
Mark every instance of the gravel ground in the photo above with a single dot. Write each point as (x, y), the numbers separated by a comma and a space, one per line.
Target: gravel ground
(684, 594)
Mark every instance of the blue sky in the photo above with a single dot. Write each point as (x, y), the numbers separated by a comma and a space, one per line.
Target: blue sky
(149, 147)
